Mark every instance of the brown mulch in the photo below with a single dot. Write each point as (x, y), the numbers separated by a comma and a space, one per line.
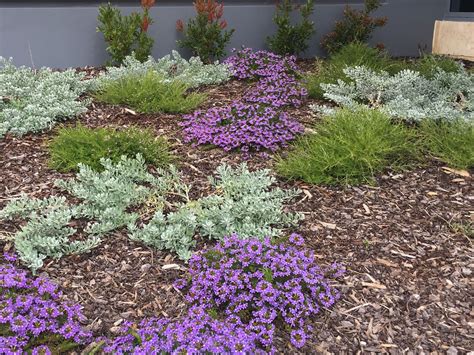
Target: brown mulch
(404, 242)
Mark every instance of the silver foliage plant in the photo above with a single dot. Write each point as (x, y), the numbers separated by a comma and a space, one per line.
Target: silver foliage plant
(172, 67)
(242, 201)
(105, 198)
(406, 95)
(32, 101)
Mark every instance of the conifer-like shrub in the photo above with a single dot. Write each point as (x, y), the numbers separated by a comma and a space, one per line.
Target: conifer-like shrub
(80, 144)
(33, 101)
(126, 34)
(206, 35)
(149, 93)
(291, 39)
(356, 26)
(192, 72)
(351, 55)
(350, 147)
(407, 95)
(452, 142)
(33, 318)
(263, 284)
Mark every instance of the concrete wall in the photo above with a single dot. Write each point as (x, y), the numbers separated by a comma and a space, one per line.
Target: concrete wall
(61, 34)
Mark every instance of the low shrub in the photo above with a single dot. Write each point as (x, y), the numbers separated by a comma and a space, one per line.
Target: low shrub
(291, 39)
(429, 64)
(74, 145)
(265, 285)
(33, 101)
(196, 332)
(351, 55)
(205, 35)
(126, 34)
(33, 319)
(452, 142)
(356, 26)
(407, 95)
(171, 68)
(349, 147)
(150, 94)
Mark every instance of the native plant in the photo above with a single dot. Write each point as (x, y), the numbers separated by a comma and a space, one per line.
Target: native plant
(206, 35)
(351, 146)
(105, 198)
(126, 34)
(407, 95)
(430, 64)
(266, 285)
(241, 201)
(193, 73)
(450, 141)
(149, 93)
(291, 39)
(33, 101)
(354, 54)
(356, 26)
(80, 144)
(33, 317)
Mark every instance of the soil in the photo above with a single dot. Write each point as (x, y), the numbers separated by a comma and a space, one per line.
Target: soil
(404, 241)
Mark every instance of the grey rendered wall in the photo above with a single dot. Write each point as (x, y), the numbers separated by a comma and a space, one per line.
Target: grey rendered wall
(56, 35)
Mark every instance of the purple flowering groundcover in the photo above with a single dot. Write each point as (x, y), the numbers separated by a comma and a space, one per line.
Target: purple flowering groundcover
(259, 120)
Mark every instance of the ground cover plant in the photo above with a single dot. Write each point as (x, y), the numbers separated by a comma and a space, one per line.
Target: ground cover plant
(407, 95)
(356, 26)
(354, 54)
(80, 144)
(149, 93)
(428, 65)
(126, 34)
(33, 318)
(33, 101)
(291, 39)
(349, 147)
(266, 285)
(257, 121)
(206, 35)
(452, 142)
(171, 68)
(104, 201)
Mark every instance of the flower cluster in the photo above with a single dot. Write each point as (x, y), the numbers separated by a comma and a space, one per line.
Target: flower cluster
(32, 317)
(264, 284)
(196, 333)
(257, 121)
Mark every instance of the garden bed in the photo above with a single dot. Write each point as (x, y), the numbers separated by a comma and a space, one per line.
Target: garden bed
(408, 259)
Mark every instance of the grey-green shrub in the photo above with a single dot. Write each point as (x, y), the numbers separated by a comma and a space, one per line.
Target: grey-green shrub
(406, 95)
(192, 73)
(80, 144)
(354, 54)
(104, 201)
(33, 101)
(452, 142)
(351, 146)
(148, 93)
(242, 202)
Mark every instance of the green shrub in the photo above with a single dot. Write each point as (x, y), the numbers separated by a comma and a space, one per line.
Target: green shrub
(349, 147)
(354, 54)
(429, 64)
(149, 93)
(452, 142)
(291, 39)
(205, 35)
(88, 146)
(126, 34)
(356, 26)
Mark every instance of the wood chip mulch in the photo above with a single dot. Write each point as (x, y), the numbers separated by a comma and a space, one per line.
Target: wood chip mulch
(406, 244)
